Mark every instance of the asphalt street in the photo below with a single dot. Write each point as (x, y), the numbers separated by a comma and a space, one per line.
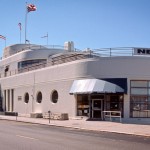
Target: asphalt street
(26, 136)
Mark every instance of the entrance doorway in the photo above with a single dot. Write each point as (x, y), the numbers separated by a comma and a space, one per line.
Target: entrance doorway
(97, 108)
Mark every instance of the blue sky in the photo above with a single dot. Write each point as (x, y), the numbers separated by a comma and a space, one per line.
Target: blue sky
(89, 23)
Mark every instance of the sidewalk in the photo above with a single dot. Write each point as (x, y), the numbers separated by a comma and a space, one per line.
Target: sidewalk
(116, 127)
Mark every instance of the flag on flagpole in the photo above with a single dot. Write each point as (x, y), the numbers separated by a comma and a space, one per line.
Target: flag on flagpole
(2, 37)
(31, 7)
(44, 36)
(19, 24)
(28, 41)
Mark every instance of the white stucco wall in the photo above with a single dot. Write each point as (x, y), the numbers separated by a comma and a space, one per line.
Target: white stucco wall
(60, 78)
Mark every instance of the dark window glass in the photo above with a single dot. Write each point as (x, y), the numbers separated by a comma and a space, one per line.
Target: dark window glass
(54, 97)
(26, 98)
(82, 105)
(114, 102)
(29, 63)
(39, 97)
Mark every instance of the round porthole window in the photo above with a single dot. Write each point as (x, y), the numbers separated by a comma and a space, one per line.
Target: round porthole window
(39, 97)
(26, 98)
(54, 96)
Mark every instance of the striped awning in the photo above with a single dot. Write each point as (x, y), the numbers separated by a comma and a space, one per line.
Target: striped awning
(88, 86)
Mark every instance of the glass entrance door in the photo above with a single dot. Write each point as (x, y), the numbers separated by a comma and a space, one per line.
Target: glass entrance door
(97, 108)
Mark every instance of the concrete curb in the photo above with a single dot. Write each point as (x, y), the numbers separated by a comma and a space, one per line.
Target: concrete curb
(78, 128)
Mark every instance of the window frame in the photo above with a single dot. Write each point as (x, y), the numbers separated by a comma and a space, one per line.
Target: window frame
(140, 103)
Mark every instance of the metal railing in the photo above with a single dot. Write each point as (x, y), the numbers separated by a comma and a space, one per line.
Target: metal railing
(114, 52)
(112, 114)
(53, 61)
(33, 67)
(73, 56)
(34, 47)
(68, 58)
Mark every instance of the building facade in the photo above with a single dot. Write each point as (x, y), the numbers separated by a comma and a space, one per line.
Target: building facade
(36, 79)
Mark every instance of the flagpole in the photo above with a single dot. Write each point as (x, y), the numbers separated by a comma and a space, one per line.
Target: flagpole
(4, 38)
(47, 38)
(26, 24)
(29, 7)
(5, 42)
(20, 36)
(20, 32)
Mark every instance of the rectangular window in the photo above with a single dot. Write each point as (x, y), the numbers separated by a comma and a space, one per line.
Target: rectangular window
(114, 102)
(139, 91)
(82, 105)
(5, 100)
(8, 100)
(140, 99)
(12, 98)
(139, 83)
(149, 91)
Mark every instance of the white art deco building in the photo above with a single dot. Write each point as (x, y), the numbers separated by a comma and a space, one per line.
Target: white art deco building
(91, 83)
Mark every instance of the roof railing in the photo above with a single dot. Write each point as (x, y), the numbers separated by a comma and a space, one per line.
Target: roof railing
(112, 52)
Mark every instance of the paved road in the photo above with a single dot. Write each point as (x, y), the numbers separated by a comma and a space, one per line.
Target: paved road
(25, 136)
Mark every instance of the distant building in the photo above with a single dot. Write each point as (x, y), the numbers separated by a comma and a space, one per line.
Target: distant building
(90, 83)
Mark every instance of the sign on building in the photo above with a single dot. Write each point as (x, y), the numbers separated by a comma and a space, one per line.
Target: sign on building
(141, 51)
